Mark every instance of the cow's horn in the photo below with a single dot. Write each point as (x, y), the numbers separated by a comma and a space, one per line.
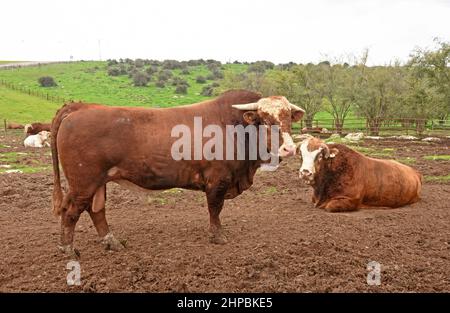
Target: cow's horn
(246, 107)
(295, 108)
(327, 150)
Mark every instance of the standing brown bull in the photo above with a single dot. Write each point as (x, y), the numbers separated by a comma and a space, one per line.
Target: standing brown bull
(36, 128)
(346, 180)
(98, 144)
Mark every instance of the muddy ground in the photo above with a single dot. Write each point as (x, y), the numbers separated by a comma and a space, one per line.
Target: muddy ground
(277, 241)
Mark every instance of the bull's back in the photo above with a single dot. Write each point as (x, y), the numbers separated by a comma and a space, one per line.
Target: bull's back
(390, 183)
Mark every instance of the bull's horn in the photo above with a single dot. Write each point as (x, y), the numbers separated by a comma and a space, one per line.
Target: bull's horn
(295, 108)
(246, 107)
(327, 150)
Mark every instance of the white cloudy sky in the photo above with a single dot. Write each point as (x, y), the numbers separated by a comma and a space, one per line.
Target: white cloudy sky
(275, 30)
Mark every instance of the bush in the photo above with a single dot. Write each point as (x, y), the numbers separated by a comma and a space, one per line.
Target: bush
(47, 81)
(177, 81)
(200, 80)
(164, 75)
(160, 84)
(113, 71)
(181, 89)
(216, 74)
(140, 79)
(260, 66)
(207, 91)
(139, 63)
(112, 62)
(132, 71)
(185, 72)
(151, 70)
(171, 64)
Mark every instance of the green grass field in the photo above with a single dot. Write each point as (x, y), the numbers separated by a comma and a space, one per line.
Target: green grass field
(89, 82)
(23, 108)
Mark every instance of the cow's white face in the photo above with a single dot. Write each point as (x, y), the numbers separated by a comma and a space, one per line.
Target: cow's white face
(313, 152)
(275, 110)
(45, 135)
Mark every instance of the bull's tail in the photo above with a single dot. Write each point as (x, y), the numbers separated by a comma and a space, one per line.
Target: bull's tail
(26, 127)
(57, 201)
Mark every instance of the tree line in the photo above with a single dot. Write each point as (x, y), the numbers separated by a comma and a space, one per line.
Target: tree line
(418, 89)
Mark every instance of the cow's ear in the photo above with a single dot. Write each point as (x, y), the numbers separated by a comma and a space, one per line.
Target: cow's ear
(251, 117)
(333, 152)
(297, 115)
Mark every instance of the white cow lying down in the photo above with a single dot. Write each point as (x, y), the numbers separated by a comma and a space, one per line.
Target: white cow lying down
(39, 140)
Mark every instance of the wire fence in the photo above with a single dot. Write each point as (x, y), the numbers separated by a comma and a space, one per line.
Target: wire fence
(32, 92)
(402, 125)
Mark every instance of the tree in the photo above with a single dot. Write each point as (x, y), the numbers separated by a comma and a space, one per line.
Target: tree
(433, 67)
(378, 90)
(340, 85)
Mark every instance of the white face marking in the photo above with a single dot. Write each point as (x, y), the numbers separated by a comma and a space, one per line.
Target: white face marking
(308, 161)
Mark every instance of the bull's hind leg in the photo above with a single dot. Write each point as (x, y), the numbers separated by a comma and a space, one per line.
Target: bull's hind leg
(341, 204)
(215, 197)
(98, 216)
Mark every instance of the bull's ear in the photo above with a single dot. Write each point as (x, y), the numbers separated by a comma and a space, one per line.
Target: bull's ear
(333, 152)
(251, 117)
(297, 115)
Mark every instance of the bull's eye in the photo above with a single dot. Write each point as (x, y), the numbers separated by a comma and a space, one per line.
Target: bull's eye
(320, 157)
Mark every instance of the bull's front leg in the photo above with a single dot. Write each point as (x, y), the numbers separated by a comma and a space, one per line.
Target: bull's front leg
(215, 196)
(341, 204)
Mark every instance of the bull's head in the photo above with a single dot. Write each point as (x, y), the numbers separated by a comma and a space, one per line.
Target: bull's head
(275, 110)
(314, 152)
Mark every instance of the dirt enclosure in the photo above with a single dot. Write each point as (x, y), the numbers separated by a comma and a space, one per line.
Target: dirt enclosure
(277, 241)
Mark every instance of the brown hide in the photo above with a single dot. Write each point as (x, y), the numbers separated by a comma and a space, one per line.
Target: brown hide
(358, 181)
(36, 128)
(97, 144)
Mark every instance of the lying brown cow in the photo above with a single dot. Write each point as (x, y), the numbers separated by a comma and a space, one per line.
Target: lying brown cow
(14, 126)
(36, 128)
(98, 144)
(346, 180)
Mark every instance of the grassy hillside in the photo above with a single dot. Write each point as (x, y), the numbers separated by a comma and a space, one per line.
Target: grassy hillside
(90, 82)
(22, 108)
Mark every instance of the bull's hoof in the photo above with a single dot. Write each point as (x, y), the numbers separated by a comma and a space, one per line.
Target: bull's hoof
(111, 243)
(70, 251)
(218, 238)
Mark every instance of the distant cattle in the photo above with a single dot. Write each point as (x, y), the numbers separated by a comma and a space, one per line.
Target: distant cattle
(314, 130)
(39, 140)
(36, 128)
(14, 126)
(97, 144)
(346, 180)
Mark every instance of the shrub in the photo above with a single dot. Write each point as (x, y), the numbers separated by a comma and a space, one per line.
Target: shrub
(207, 91)
(164, 75)
(113, 71)
(139, 63)
(177, 81)
(132, 71)
(140, 79)
(181, 89)
(112, 62)
(216, 74)
(151, 70)
(260, 66)
(185, 72)
(160, 84)
(200, 80)
(47, 81)
(171, 64)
